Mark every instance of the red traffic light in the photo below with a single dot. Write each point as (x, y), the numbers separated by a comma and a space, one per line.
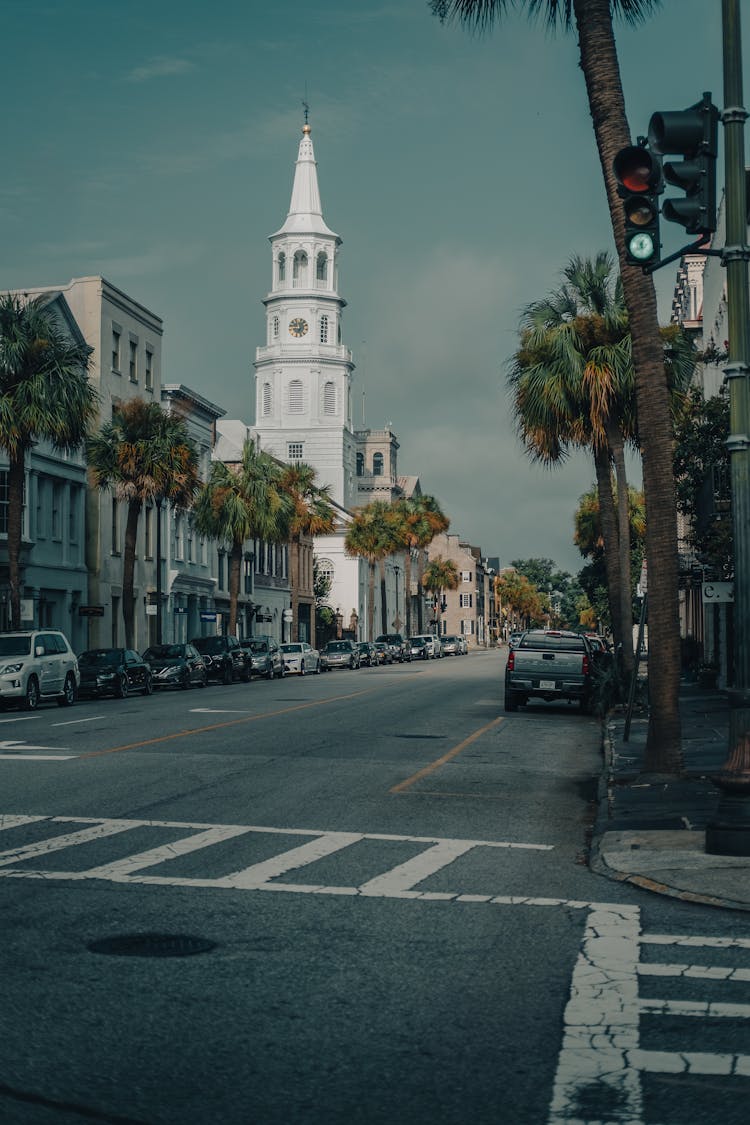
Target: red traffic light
(637, 170)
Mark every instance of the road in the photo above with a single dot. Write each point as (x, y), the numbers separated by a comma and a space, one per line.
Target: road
(378, 885)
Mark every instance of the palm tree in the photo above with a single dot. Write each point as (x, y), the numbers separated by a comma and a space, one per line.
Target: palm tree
(312, 514)
(241, 502)
(593, 20)
(440, 575)
(372, 536)
(420, 519)
(143, 456)
(45, 395)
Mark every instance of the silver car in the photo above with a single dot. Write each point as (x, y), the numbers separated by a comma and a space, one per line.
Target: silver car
(300, 657)
(341, 654)
(450, 645)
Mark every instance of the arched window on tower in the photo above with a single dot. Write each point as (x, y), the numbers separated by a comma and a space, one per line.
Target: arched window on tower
(324, 329)
(281, 267)
(377, 465)
(296, 400)
(267, 399)
(321, 269)
(360, 464)
(299, 269)
(329, 398)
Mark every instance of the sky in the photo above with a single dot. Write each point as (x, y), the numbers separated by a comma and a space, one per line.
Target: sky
(154, 143)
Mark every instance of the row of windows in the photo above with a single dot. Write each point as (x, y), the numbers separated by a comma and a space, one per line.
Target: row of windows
(132, 358)
(50, 509)
(378, 464)
(295, 398)
(299, 267)
(324, 328)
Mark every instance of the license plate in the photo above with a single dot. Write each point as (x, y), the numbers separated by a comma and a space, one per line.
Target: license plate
(547, 685)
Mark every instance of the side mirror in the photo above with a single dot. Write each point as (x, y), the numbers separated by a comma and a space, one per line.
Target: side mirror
(39, 650)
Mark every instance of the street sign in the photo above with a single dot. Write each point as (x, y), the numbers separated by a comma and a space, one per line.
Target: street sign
(91, 611)
(287, 615)
(180, 609)
(714, 592)
(151, 610)
(208, 615)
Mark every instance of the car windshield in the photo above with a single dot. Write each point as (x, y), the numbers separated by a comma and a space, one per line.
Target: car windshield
(338, 646)
(256, 646)
(164, 652)
(15, 646)
(291, 648)
(101, 656)
(556, 642)
(209, 644)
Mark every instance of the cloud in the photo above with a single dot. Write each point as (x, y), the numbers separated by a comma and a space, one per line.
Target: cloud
(161, 66)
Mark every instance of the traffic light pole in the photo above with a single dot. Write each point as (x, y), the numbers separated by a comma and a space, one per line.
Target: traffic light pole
(729, 833)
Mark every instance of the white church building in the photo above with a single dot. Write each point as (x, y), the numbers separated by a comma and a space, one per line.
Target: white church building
(303, 395)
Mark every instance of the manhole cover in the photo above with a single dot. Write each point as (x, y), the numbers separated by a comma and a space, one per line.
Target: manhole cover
(152, 945)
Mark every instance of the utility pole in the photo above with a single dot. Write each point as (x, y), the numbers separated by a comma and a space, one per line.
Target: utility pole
(729, 833)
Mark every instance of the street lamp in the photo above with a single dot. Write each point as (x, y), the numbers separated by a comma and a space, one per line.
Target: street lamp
(397, 619)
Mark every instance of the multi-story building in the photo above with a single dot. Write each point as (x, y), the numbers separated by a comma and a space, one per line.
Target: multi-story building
(466, 608)
(53, 546)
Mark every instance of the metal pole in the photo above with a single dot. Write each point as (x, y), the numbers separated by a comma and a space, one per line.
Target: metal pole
(158, 571)
(729, 834)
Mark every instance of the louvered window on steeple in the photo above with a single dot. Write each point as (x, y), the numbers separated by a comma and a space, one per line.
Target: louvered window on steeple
(329, 398)
(321, 272)
(267, 398)
(296, 403)
(282, 266)
(299, 269)
(324, 329)
(360, 464)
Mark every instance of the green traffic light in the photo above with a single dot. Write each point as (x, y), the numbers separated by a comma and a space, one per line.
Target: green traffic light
(641, 246)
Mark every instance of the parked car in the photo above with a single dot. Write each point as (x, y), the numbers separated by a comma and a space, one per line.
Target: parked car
(368, 654)
(37, 664)
(114, 671)
(265, 657)
(513, 639)
(450, 645)
(225, 660)
(341, 654)
(550, 664)
(398, 645)
(463, 644)
(427, 646)
(385, 656)
(176, 665)
(300, 657)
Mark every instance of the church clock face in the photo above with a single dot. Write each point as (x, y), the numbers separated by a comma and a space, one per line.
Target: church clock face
(298, 326)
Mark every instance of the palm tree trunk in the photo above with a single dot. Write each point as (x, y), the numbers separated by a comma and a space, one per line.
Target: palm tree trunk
(604, 87)
(16, 473)
(383, 602)
(128, 571)
(623, 521)
(235, 567)
(420, 591)
(294, 566)
(370, 599)
(608, 522)
(407, 589)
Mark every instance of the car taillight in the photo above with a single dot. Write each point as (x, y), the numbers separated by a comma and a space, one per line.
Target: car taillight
(585, 667)
(511, 660)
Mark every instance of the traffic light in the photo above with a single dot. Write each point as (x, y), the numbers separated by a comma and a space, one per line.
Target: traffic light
(693, 134)
(639, 178)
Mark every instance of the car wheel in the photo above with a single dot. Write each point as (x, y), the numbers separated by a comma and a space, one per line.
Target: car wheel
(121, 690)
(281, 672)
(31, 699)
(68, 697)
(511, 700)
(148, 685)
(204, 681)
(226, 674)
(185, 681)
(269, 672)
(302, 668)
(317, 669)
(246, 676)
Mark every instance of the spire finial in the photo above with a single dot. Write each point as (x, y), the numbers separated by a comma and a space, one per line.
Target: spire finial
(306, 106)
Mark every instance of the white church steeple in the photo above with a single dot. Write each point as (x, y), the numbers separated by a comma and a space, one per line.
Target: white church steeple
(303, 373)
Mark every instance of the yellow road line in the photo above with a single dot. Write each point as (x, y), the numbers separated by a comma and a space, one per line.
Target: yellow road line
(219, 726)
(446, 757)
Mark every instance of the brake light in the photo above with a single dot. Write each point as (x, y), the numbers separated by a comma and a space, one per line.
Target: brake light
(585, 667)
(511, 660)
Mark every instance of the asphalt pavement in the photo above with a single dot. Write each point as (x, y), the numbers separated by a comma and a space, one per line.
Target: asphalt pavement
(651, 831)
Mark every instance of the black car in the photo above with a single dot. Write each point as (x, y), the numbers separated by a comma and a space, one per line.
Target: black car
(225, 659)
(113, 671)
(368, 654)
(176, 665)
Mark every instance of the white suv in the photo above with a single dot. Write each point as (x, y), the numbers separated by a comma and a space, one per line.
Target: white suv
(37, 664)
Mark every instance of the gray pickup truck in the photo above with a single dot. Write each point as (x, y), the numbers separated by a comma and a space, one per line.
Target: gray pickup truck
(548, 664)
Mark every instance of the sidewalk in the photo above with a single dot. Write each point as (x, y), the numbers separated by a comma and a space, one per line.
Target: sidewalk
(652, 834)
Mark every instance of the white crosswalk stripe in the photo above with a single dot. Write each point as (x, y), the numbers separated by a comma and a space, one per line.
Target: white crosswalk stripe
(601, 1048)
